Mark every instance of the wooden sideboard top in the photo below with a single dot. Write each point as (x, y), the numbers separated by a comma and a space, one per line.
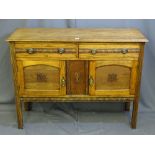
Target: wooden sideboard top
(78, 35)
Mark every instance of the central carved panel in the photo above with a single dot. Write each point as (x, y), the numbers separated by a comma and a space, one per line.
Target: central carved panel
(112, 77)
(77, 74)
(41, 77)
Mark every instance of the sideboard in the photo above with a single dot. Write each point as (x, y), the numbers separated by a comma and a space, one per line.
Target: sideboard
(77, 64)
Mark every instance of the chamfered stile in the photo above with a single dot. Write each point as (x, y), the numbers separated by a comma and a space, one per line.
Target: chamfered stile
(16, 86)
(138, 82)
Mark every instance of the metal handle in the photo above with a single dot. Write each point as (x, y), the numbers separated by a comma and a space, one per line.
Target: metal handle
(93, 51)
(30, 51)
(61, 50)
(63, 82)
(124, 51)
(91, 81)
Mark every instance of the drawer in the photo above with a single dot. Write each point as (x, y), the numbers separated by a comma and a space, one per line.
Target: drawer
(109, 50)
(41, 49)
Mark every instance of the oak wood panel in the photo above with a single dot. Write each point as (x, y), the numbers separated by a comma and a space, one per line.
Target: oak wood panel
(111, 78)
(78, 44)
(47, 49)
(92, 66)
(112, 45)
(78, 35)
(44, 45)
(133, 77)
(104, 57)
(16, 86)
(41, 77)
(109, 56)
(78, 98)
(109, 50)
(77, 77)
(107, 94)
(137, 89)
(56, 56)
(121, 63)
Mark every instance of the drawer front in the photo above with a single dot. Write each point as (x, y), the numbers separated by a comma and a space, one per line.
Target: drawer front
(51, 50)
(109, 50)
(40, 78)
(112, 78)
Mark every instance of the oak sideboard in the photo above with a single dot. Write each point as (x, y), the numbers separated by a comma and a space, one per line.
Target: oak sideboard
(77, 65)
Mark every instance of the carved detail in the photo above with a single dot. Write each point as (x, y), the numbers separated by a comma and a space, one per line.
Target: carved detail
(41, 77)
(77, 77)
(47, 50)
(113, 50)
(112, 77)
(77, 99)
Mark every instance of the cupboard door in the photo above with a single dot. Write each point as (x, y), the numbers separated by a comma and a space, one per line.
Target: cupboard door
(77, 77)
(40, 78)
(112, 78)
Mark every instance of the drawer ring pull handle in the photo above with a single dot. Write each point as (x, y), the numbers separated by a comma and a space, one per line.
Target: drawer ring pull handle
(124, 51)
(61, 50)
(30, 51)
(93, 51)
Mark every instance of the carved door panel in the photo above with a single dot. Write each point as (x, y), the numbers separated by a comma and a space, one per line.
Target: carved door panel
(41, 78)
(112, 78)
(77, 77)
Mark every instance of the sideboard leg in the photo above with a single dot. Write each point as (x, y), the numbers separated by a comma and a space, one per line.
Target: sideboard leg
(134, 113)
(27, 106)
(19, 113)
(127, 106)
(136, 99)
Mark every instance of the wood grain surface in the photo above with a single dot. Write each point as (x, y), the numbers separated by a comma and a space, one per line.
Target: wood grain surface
(95, 65)
(78, 35)
(77, 77)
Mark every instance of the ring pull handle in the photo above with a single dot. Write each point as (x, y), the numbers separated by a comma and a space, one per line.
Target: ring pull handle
(30, 51)
(93, 51)
(61, 50)
(124, 51)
